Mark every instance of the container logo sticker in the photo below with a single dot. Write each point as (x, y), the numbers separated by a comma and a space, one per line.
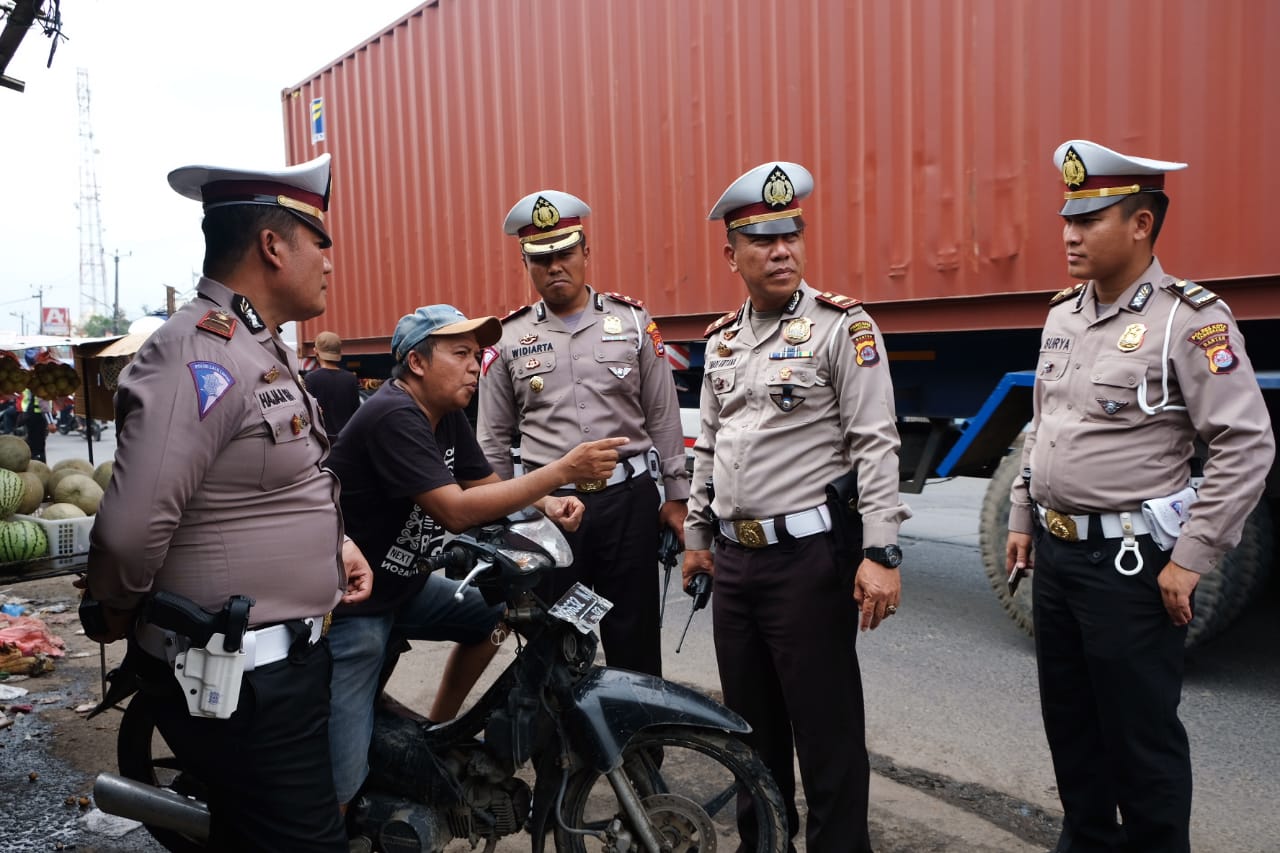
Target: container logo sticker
(317, 120)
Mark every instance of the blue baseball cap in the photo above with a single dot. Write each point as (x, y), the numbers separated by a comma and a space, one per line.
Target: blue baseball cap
(428, 320)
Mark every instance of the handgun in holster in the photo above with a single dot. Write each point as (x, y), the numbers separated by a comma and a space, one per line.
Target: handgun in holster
(846, 524)
(209, 658)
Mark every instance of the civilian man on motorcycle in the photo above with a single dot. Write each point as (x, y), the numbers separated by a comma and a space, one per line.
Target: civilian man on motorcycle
(411, 469)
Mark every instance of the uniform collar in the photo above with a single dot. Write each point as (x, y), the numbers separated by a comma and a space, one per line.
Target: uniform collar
(226, 298)
(594, 306)
(1136, 298)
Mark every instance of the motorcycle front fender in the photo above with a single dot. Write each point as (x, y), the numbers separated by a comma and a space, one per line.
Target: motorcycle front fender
(611, 705)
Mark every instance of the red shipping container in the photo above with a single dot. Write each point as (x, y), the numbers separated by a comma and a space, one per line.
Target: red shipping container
(928, 125)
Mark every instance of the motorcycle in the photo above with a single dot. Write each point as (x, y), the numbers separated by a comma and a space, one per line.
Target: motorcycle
(600, 759)
(79, 426)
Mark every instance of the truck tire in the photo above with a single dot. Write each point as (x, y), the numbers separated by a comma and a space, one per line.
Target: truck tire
(993, 533)
(1220, 596)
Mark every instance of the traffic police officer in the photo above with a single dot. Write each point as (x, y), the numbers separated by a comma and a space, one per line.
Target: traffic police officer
(218, 490)
(796, 393)
(1135, 365)
(579, 365)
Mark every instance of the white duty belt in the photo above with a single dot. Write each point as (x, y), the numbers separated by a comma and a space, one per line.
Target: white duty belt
(762, 532)
(1127, 526)
(261, 647)
(632, 466)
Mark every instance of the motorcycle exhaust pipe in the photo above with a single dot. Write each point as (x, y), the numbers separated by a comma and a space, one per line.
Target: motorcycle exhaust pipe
(153, 806)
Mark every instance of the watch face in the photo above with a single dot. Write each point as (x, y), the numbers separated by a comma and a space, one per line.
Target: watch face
(890, 556)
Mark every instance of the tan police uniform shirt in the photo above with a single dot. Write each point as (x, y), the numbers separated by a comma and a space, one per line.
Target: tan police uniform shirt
(553, 388)
(218, 488)
(1091, 447)
(786, 414)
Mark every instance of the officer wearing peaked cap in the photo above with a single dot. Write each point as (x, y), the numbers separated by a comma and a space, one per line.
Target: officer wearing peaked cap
(1135, 366)
(796, 394)
(576, 365)
(219, 491)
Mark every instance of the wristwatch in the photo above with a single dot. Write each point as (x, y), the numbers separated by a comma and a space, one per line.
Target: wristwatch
(890, 556)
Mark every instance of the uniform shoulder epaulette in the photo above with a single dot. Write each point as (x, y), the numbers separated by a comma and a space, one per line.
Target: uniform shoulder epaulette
(1193, 294)
(636, 303)
(511, 315)
(218, 322)
(844, 303)
(1066, 293)
(724, 320)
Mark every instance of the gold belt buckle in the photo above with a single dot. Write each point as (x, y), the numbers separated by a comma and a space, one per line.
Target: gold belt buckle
(1061, 526)
(750, 533)
(589, 485)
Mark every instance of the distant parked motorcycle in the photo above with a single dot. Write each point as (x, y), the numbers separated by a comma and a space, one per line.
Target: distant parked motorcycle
(78, 425)
(603, 760)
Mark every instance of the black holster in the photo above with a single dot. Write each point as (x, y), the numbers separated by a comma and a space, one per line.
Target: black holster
(846, 522)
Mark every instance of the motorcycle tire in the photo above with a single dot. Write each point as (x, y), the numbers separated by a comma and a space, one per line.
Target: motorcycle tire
(143, 756)
(687, 780)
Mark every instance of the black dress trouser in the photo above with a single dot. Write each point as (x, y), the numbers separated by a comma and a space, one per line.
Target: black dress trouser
(785, 632)
(1110, 663)
(267, 766)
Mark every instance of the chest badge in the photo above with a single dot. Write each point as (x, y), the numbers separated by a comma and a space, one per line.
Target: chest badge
(723, 350)
(532, 363)
(784, 373)
(297, 424)
(787, 401)
(797, 331)
(620, 372)
(271, 375)
(1111, 406)
(536, 384)
(612, 324)
(528, 339)
(1132, 337)
(729, 334)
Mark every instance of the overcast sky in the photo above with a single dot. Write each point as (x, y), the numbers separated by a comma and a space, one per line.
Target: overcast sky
(171, 84)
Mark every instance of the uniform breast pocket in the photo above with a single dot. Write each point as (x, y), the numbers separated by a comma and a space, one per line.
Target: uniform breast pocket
(721, 380)
(534, 379)
(622, 367)
(790, 385)
(1114, 386)
(1052, 366)
(288, 453)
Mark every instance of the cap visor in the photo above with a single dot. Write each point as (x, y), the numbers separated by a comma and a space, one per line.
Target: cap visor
(566, 242)
(488, 330)
(789, 225)
(1079, 206)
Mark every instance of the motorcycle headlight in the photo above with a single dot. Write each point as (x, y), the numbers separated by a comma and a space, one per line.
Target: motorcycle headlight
(539, 537)
(527, 561)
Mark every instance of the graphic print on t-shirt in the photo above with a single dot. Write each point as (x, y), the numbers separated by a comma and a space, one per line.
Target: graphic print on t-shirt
(418, 538)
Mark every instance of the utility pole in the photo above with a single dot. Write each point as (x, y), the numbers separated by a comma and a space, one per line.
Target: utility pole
(170, 299)
(115, 311)
(22, 319)
(39, 308)
(93, 273)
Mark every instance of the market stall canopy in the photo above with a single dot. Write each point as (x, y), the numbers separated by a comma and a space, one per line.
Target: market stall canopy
(18, 343)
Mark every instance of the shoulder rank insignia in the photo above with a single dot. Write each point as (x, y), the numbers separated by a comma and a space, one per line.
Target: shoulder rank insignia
(219, 322)
(1066, 293)
(844, 303)
(511, 315)
(626, 300)
(1140, 298)
(1193, 294)
(724, 320)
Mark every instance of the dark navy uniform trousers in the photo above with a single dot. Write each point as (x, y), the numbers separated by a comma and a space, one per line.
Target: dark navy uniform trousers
(785, 633)
(615, 553)
(1110, 664)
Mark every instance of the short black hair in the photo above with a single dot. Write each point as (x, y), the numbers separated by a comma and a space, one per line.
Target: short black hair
(1157, 203)
(426, 350)
(231, 230)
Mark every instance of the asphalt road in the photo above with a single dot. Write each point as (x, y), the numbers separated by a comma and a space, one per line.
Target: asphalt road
(952, 709)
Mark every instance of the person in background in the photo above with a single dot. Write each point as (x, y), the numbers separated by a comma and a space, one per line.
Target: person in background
(219, 492)
(1135, 366)
(575, 365)
(796, 395)
(411, 470)
(335, 389)
(35, 416)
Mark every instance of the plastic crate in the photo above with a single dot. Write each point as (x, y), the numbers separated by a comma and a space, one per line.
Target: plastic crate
(68, 539)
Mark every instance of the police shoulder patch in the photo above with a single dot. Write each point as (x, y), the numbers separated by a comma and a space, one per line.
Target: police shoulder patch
(1066, 293)
(724, 320)
(626, 300)
(844, 303)
(511, 315)
(1193, 294)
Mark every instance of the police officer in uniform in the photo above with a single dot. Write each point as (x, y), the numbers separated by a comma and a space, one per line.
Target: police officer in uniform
(579, 365)
(1135, 365)
(218, 491)
(796, 393)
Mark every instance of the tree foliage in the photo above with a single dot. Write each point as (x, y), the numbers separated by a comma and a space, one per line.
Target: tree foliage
(100, 326)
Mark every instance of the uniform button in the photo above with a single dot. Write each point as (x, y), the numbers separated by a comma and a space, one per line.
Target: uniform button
(582, 405)
(736, 465)
(1097, 377)
(737, 509)
(748, 392)
(1068, 405)
(586, 429)
(1132, 381)
(1077, 367)
(1053, 444)
(579, 381)
(576, 356)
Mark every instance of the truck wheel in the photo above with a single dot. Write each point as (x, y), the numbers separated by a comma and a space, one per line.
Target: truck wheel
(993, 533)
(1222, 595)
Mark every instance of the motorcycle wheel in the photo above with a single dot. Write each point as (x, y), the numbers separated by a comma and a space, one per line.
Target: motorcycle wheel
(687, 780)
(144, 756)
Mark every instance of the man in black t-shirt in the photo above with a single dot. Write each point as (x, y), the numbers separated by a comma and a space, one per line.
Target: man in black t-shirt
(411, 469)
(337, 390)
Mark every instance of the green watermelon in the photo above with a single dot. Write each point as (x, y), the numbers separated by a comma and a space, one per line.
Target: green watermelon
(22, 540)
(12, 491)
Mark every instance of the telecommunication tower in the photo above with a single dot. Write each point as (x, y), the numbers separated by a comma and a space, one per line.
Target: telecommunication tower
(93, 265)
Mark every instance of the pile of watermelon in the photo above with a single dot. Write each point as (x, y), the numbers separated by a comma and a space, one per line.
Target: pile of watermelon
(20, 539)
